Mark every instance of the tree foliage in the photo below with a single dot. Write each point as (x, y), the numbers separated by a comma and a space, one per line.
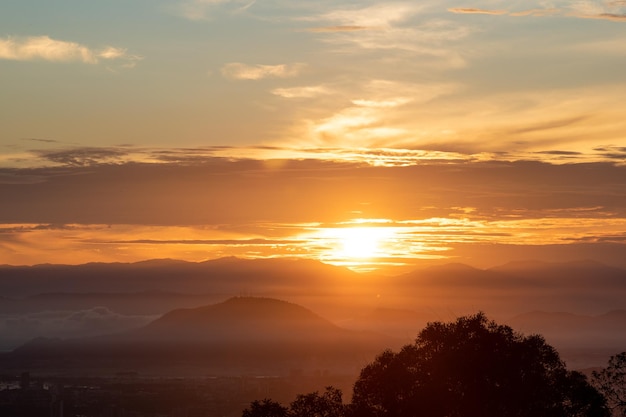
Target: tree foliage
(265, 408)
(611, 381)
(474, 368)
(328, 404)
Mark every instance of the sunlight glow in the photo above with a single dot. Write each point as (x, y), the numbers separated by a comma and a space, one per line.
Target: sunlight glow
(360, 242)
(357, 243)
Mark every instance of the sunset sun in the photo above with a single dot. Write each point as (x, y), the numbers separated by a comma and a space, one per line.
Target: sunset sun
(360, 242)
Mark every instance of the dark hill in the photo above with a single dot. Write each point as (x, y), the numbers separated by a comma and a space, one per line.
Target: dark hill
(244, 319)
(240, 335)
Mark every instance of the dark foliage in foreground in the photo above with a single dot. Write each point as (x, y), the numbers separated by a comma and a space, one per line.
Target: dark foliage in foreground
(472, 367)
(611, 381)
(328, 404)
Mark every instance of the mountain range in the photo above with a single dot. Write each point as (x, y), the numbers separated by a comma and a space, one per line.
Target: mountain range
(71, 301)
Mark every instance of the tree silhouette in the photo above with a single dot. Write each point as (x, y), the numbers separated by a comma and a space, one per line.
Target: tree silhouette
(329, 404)
(474, 368)
(611, 381)
(265, 408)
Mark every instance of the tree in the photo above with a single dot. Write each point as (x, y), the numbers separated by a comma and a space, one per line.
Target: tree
(265, 408)
(329, 404)
(611, 381)
(474, 368)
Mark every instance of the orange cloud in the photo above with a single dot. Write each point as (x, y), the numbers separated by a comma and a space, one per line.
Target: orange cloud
(48, 49)
(239, 71)
(467, 10)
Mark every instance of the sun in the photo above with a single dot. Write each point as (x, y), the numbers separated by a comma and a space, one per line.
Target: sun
(360, 242)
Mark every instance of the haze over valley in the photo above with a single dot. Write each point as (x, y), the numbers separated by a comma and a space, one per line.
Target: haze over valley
(577, 306)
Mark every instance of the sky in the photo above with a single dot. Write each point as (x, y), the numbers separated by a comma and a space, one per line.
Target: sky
(367, 134)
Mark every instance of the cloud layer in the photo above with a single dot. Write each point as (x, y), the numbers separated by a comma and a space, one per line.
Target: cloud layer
(207, 207)
(48, 49)
(239, 71)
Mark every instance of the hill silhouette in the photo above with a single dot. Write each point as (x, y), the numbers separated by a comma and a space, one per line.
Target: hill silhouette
(221, 276)
(239, 335)
(241, 319)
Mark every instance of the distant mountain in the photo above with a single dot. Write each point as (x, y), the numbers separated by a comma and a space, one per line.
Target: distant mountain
(221, 276)
(243, 319)
(242, 334)
(144, 302)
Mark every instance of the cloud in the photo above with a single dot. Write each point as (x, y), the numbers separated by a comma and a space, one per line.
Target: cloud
(220, 242)
(41, 140)
(614, 17)
(392, 102)
(598, 10)
(521, 13)
(202, 9)
(133, 211)
(302, 92)
(80, 157)
(468, 10)
(346, 28)
(391, 27)
(617, 153)
(376, 117)
(239, 71)
(48, 49)
(586, 9)
(376, 16)
(536, 12)
(549, 125)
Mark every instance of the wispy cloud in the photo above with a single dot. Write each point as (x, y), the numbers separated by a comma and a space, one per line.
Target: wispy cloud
(614, 17)
(203, 9)
(302, 92)
(345, 28)
(393, 28)
(378, 15)
(375, 117)
(80, 157)
(536, 12)
(586, 9)
(471, 10)
(614, 11)
(239, 71)
(47, 49)
(517, 13)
